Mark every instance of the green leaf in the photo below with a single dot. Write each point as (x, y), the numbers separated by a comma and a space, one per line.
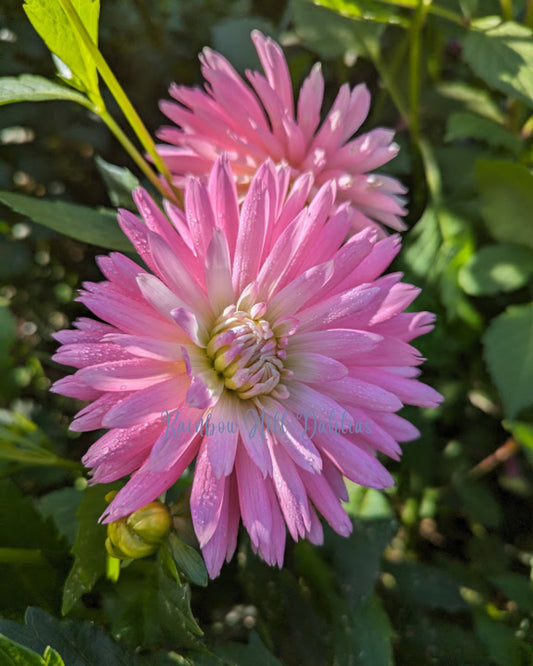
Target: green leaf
(330, 34)
(477, 102)
(89, 547)
(119, 181)
(471, 126)
(357, 559)
(98, 227)
(502, 55)
(34, 578)
(30, 88)
(365, 10)
(54, 27)
(78, 643)
(255, 652)
(517, 588)
(61, 506)
(499, 640)
(8, 331)
(147, 608)
(188, 560)
(479, 503)
(506, 190)
(52, 658)
(363, 638)
(13, 654)
(508, 352)
(426, 586)
(521, 431)
(496, 268)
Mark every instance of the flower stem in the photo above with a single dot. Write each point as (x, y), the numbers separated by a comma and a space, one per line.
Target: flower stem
(433, 9)
(417, 24)
(122, 100)
(133, 152)
(507, 9)
(529, 14)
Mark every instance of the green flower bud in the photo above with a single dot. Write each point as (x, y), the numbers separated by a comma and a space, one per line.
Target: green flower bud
(139, 534)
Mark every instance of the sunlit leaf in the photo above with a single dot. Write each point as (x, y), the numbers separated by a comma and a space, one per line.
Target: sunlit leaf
(496, 268)
(508, 351)
(98, 227)
(502, 55)
(30, 88)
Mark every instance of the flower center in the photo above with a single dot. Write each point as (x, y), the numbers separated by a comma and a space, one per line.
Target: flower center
(246, 353)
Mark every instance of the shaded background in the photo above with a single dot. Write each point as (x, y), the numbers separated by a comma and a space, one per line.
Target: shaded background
(438, 568)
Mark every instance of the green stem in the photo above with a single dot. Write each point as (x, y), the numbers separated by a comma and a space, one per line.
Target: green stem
(507, 10)
(133, 152)
(118, 93)
(415, 34)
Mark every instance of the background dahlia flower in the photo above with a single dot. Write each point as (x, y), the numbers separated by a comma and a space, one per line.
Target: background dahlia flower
(252, 124)
(260, 318)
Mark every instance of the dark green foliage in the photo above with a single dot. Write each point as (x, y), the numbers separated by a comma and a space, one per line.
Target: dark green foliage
(437, 570)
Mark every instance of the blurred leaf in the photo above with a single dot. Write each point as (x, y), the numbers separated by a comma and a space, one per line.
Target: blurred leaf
(330, 34)
(496, 268)
(78, 643)
(54, 27)
(15, 259)
(188, 560)
(478, 102)
(231, 37)
(363, 638)
(61, 506)
(119, 181)
(89, 547)
(98, 227)
(508, 351)
(427, 586)
(35, 580)
(479, 503)
(366, 10)
(8, 331)
(500, 641)
(30, 88)
(521, 431)
(502, 55)
(471, 126)
(516, 588)
(13, 654)
(506, 190)
(254, 652)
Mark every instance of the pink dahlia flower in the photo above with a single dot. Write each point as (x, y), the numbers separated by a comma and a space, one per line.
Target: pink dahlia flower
(260, 345)
(253, 124)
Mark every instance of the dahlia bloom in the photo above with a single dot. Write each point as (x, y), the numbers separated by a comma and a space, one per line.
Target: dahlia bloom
(260, 345)
(253, 124)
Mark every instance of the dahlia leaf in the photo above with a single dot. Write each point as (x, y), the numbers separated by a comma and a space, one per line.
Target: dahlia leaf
(13, 654)
(33, 574)
(119, 181)
(521, 431)
(97, 227)
(88, 549)
(364, 637)
(188, 560)
(502, 55)
(80, 643)
(508, 351)
(55, 29)
(506, 190)
(427, 586)
(499, 640)
(357, 559)
(466, 125)
(330, 34)
(496, 268)
(8, 331)
(365, 10)
(255, 652)
(61, 506)
(30, 88)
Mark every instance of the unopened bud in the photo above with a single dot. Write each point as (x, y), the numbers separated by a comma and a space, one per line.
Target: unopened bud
(139, 534)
